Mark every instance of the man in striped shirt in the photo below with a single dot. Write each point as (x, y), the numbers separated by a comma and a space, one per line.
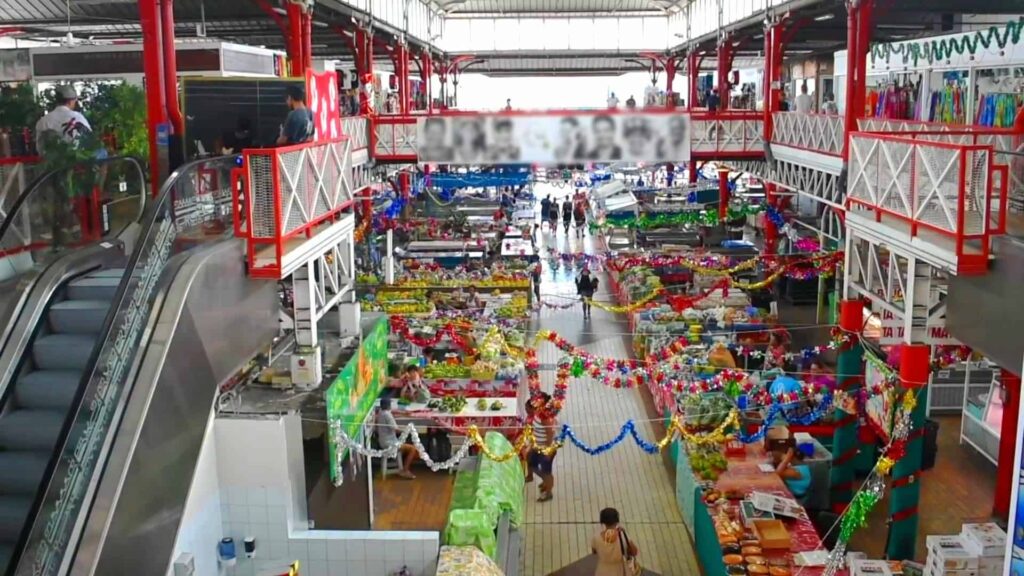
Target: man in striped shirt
(541, 460)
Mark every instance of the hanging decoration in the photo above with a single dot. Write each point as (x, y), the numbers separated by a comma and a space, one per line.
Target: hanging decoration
(454, 332)
(854, 518)
(628, 308)
(941, 49)
(682, 219)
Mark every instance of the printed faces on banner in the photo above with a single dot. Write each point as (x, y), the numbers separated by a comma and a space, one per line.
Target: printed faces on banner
(322, 99)
(554, 139)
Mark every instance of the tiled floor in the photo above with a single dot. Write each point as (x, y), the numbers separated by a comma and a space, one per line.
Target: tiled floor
(558, 532)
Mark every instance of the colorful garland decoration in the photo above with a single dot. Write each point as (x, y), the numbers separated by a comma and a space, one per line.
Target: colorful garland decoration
(945, 48)
(629, 308)
(400, 326)
(682, 219)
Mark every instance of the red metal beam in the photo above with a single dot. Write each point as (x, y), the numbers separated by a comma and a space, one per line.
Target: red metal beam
(296, 58)
(267, 9)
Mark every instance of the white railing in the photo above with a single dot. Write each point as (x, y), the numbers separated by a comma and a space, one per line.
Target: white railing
(357, 129)
(724, 132)
(394, 137)
(294, 188)
(939, 186)
(822, 133)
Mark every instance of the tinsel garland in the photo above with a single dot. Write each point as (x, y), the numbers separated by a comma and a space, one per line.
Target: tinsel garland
(942, 49)
(682, 219)
(631, 307)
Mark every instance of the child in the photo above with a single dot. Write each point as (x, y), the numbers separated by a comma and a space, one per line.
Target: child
(413, 388)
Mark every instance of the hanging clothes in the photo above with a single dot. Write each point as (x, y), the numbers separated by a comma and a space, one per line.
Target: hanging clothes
(998, 109)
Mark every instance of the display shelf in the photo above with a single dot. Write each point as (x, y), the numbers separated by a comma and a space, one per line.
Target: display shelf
(982, 421)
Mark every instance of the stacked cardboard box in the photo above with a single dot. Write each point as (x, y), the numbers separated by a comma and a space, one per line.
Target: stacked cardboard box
(861, 567)
(949, 556)
(988, 542)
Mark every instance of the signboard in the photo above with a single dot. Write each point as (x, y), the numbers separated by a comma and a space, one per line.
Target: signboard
(880, 408)
(322, 99)
(354, 392)
(554, 138)
(933, 333)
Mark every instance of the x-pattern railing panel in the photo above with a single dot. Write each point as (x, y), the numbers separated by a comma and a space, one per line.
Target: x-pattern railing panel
(816, 132)
(936, 186)
(356, 128)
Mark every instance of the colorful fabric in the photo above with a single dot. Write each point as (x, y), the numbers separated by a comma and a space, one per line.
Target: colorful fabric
(465, 561)
(471, 528)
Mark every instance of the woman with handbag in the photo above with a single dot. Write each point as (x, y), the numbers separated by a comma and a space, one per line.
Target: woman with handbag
(616, 553)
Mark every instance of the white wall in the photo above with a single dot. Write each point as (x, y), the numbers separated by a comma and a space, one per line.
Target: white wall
(201, 522)
(262, 486)
(480, 92)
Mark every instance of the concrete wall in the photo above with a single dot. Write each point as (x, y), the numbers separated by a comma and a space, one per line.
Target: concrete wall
(256, 466)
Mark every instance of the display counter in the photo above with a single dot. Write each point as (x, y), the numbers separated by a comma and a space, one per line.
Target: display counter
(742, 477)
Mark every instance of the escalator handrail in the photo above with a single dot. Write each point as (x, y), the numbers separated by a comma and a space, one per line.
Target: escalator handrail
(33, 187)
(151, 255)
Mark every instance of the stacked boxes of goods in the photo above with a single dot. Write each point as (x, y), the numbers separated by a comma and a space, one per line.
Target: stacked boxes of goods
(950, 556)
(988, 542)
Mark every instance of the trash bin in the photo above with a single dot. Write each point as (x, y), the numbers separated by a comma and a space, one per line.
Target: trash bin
(931, 444)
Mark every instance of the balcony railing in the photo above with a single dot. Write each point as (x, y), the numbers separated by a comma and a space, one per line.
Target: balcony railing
(730, 133)
(823, 133)
(955, 190)
(288, 192)
(356, 128)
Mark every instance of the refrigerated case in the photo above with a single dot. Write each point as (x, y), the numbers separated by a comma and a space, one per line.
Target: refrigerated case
(983, 419)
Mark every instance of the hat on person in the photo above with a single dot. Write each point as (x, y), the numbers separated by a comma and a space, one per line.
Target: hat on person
(67, 92)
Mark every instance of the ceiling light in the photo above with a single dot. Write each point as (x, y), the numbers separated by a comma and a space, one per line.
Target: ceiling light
(824, 17)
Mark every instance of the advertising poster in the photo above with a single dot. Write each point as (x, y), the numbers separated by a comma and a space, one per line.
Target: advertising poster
(15, 66)
(322, 99)
(554, 138)
(353, 394)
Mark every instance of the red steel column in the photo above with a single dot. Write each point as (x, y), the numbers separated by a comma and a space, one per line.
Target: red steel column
(723, 194)
(725, 52)
(364, 45)
(156, 112)
(307, 40)
(295, 31)
(864, 17)
(428, 80)
(170, 61)
(852, 76)
(670, 77)
(774, 49)
(1006, 473)
(403, 79)
(771, 233)
(692, 73)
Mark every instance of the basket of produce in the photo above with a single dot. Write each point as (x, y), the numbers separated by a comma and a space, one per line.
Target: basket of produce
(703, 412)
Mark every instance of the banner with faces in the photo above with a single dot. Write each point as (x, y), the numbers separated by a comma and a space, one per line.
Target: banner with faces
(553, 139)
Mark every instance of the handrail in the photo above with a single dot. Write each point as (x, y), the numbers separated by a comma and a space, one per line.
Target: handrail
(85, 437)
(37, 187)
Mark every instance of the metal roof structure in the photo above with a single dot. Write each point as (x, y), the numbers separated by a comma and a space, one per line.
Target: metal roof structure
(823, 28)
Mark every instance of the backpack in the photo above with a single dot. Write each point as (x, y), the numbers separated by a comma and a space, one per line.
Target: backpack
(439, 446)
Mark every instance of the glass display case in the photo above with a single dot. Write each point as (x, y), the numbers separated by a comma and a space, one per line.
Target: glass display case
(983, 420)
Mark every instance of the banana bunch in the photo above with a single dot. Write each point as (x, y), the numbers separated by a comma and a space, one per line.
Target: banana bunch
(446, 371)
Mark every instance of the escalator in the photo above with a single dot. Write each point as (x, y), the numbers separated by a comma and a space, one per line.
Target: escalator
(62, 250)
(116, 385)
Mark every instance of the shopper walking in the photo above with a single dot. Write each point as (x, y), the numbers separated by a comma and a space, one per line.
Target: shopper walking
(616, 553)
(586, 286)
(64, 123)
(545, 209)
(535, 274)
(804, 102)
(579, 214)
(566, 215)
(542, 456)
(553, 217)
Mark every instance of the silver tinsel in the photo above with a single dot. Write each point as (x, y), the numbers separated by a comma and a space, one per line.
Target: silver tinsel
(874, 485)
(342, 440)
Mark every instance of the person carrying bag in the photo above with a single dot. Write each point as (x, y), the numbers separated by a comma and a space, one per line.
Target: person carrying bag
(616, 554)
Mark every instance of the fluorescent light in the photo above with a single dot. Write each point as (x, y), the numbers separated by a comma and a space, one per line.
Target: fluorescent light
(824, 17)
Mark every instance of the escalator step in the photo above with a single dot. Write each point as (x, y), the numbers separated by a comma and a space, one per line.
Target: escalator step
(47, 389)
(13, 513)
(107, 273)
(94, 288)
(78, 316)
(29, 430)
(21, 472)
(63, 351)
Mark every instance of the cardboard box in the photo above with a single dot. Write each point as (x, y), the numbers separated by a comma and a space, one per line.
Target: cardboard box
(931, 569)
(860, 567)
(986, 539)
(949, 553)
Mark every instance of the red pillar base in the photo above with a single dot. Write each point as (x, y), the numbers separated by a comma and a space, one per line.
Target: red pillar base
(723, 194)
(1007, 445)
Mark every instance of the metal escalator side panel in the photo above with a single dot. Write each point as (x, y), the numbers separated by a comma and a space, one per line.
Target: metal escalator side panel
(213, 320)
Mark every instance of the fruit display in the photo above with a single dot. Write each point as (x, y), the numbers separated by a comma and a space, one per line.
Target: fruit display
(437, 370)
(516, 308)
(449, 404)
(481, 405)
(404, 308)
(370, 279)
(708, 462)
(484, 370)
(392, 295)
(497, 405)
(706, 411)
